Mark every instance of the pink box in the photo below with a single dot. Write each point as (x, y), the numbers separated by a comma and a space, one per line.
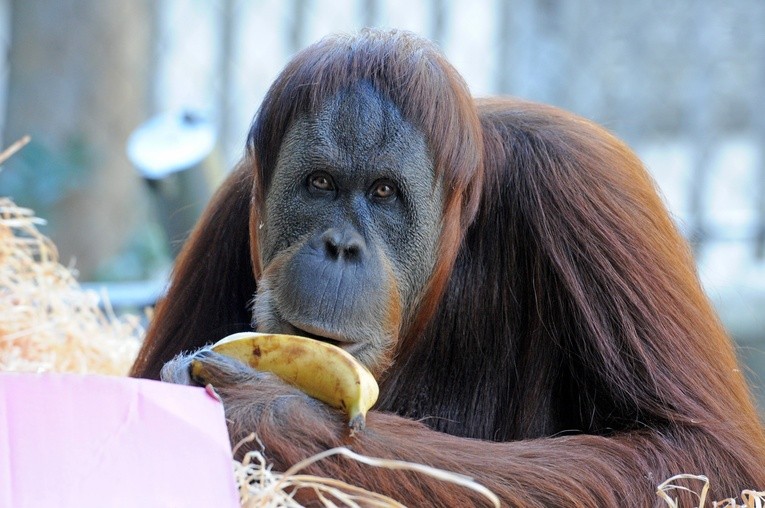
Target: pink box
(93, 441)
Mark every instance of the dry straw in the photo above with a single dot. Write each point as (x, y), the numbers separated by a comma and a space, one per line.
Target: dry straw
(749, 498)
(260, 487)
(47, 322)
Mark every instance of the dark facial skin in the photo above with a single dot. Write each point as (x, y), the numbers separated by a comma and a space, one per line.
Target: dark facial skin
(350, 227)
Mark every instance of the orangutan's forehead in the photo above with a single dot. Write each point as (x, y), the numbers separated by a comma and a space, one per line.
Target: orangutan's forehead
(377, 121)
(359, 128)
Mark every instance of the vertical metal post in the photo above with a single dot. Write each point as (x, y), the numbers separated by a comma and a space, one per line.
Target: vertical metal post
(438, 25)
(702, 129)
(225, 70)
(297, 29)
(758, 121)
(370, 12)
(504, 45)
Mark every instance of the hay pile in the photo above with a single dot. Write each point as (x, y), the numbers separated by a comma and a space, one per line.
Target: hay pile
(47, 321)
(260, 487)
(749, 498)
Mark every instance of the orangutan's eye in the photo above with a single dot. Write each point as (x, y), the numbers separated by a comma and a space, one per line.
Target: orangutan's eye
(384, 190)
(321, 181)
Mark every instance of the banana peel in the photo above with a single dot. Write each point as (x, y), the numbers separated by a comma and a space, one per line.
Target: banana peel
(321, 370)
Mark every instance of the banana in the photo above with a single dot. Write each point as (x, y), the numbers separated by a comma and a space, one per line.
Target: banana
(321, 370)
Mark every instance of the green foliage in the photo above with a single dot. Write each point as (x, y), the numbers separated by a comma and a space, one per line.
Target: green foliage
(41, 175)
(145, 255)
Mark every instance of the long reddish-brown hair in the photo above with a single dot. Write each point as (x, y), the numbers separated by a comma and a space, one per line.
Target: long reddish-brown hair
(575, 306)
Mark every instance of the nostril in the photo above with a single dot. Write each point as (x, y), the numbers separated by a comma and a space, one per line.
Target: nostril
(332, 243)
(332, 250)
(351, 250)
(353, 245)
(343, 244)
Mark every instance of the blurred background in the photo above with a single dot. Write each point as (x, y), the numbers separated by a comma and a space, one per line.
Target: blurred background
(137, 108)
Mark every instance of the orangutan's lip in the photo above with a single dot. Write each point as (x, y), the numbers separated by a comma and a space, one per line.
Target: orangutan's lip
(320, 335)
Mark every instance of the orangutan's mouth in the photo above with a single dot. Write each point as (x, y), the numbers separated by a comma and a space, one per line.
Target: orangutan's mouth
(320, 335)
